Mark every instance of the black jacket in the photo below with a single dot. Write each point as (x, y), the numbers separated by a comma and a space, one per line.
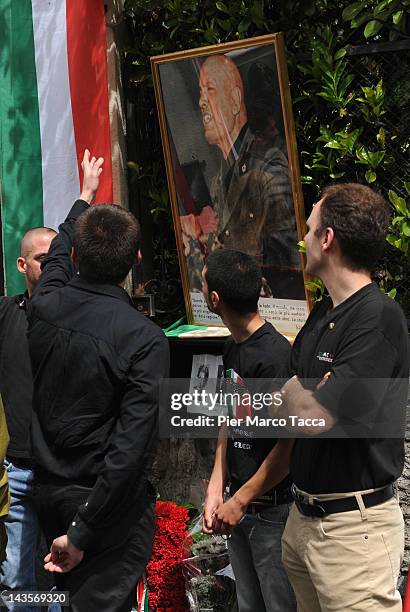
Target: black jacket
(96, 364)
(16, 385)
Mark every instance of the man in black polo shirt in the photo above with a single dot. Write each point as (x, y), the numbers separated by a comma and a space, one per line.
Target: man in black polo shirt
(256, 469)
(343, 543)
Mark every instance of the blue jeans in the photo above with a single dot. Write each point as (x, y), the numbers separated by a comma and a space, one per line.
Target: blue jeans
(18, 571)
(255, 551)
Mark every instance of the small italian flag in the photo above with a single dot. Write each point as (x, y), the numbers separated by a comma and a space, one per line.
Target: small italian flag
(53, 105)
(238, 409)
(142, 594)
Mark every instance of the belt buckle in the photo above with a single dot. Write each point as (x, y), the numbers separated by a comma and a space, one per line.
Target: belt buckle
(304, 507)
(315, 510)
(297, 496)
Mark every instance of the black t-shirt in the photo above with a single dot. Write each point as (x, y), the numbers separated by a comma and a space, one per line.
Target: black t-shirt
(16, 384)
(263, 355)
(363, 338)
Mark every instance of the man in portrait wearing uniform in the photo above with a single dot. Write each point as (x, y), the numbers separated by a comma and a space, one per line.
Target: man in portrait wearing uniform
(251, 194)
(344, 540)
(256, 469)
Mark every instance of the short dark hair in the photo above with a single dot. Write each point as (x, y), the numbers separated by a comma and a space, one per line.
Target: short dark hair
(360, 219)
(237, 279)
(106, 240)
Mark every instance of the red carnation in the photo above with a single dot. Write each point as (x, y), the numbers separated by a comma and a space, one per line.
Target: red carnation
(164, 571)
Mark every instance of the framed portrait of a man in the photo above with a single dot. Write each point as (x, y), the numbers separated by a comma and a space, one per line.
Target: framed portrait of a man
(232, 168)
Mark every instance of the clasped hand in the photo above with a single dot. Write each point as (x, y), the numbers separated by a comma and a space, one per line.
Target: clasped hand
(63, 556)
(222, 517)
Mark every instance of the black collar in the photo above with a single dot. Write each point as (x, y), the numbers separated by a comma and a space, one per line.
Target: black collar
(112, 290)
(21, 300)
(352, 299)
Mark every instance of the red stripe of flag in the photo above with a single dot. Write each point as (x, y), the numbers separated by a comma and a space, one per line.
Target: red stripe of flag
(87, 67)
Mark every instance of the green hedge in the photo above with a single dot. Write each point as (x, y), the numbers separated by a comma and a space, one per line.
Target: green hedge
(343, 127)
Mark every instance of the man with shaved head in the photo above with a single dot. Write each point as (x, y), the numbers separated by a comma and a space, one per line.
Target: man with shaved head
(33, 248)
(18, 569)
(251, 194)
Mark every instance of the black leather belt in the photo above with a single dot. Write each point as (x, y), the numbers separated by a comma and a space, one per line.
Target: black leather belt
(276, 499)
(321, 508)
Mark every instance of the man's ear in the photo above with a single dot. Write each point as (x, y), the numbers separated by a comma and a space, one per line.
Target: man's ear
(21, 265)
(214, 299)
(236, 98)
(74, 257)
(328, 238)
(138, 257)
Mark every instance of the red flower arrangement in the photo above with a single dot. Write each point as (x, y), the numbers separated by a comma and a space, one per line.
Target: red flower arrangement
(166, 585)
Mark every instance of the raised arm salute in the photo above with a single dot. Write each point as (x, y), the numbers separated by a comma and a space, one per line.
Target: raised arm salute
(96, 363)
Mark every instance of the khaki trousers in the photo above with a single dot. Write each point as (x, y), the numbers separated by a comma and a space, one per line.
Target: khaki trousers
(346, 561)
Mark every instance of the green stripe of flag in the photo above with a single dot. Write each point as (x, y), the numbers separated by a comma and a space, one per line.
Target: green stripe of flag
(20, 144)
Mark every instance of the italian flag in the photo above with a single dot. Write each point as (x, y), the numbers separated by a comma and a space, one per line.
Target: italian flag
(53, 105)
(142, 594)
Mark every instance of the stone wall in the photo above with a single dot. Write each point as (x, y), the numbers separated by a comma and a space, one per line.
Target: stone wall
(404, 496)
(180, 468)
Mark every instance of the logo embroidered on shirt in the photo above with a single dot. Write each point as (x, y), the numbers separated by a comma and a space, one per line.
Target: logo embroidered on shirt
(325, 356)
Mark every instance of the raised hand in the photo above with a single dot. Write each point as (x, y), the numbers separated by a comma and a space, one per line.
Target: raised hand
(92, 168)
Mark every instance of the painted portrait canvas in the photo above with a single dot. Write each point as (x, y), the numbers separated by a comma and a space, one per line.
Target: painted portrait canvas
(232, 168)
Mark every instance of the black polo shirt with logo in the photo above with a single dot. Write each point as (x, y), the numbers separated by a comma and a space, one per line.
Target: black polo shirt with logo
(264, 355)
(363, 343)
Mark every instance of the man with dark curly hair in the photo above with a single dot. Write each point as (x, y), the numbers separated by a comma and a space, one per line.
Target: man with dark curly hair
(343, 543)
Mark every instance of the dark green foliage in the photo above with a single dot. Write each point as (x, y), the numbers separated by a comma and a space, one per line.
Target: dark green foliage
(373, 17)
(351, 125)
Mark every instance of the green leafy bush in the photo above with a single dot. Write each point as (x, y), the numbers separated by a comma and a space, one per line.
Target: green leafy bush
(342, 128)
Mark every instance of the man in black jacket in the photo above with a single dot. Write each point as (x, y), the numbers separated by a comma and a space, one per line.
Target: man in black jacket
(17, 570)
(96, 365)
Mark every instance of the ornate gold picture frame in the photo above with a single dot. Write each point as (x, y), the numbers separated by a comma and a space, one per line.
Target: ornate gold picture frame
(232, 168)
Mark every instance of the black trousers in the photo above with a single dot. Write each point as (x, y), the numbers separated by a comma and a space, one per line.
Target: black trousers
(106, 579)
